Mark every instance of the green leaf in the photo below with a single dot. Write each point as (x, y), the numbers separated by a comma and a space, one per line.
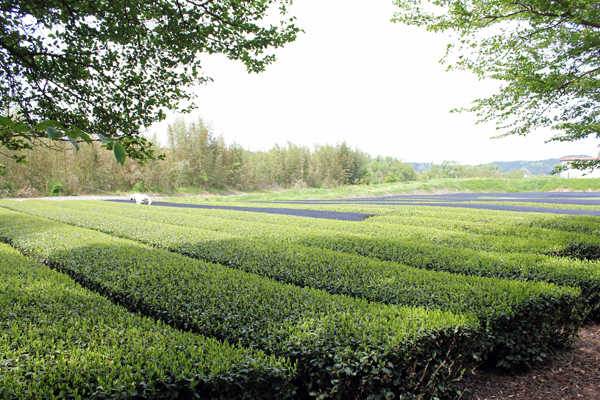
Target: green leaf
(53, 133)
(75, 132)
(120, 153)
(74, 143)
(104, 139)
(4, 121)
(20, 127)
(42, 126)
(85, 137)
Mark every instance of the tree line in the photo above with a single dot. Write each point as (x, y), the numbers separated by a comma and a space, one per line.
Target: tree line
(195, 158)
(75, 73)
(452, 169)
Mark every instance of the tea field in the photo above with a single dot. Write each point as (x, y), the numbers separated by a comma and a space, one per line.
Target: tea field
(107, 300)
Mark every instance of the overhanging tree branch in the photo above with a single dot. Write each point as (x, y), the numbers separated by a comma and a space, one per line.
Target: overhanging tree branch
(111, 66)
(546, 52)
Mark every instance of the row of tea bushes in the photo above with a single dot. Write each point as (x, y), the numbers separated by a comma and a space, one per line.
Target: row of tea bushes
(535, 233)
(61, 341)
(586, 224)
(205, 219)
(496, 221)
(580, 223)
(562, 271)
(415, 234)
(343, 347)
(538, 204)
(523, 267)
(533, 315)
(554, 243)
(569, 223)
(487, 228)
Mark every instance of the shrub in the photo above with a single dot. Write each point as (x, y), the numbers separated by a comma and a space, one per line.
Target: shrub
(8, 187)
(139, 187)
(59, 340)
(533, 315)
(55, 188)
(344, 347)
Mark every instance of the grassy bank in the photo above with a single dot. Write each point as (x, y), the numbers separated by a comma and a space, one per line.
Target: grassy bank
(433, 186)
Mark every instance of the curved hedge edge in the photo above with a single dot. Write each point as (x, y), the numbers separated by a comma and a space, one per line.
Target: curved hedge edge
(417, 254)
(584, 275)
(515, 335)
(578, 251)
(559, 243)
(59, 340)
(332, 365)
(437, 235)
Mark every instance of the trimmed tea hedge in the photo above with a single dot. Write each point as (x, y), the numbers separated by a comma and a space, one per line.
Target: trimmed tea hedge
(460, 234)
(418, 254)
(551, 236)
(530, 314)
(586, 224)
(61, 341)
(515, 239)
(344, 347)
(569, 223)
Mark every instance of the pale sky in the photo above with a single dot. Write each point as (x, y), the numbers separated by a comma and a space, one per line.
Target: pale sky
(356, 76)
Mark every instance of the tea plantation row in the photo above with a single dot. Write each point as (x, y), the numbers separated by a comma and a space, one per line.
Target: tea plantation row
(228, 244)
(439, 228)
(61, 341)
(343, 347)
(436, 324)
(568, 223)
(533, 315)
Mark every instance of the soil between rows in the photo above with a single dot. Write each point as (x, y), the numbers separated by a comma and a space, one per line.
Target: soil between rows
(572, 373)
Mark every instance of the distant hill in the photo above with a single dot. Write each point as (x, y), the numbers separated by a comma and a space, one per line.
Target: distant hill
(541, 167)
(421, 167)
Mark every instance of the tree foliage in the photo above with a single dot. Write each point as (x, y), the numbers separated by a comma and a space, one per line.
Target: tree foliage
(452, 169)
(389, 170)
(198, 159)
(546, 53)
(104, 70)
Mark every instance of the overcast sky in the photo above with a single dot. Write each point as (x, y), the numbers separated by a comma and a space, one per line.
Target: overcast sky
(358, 77)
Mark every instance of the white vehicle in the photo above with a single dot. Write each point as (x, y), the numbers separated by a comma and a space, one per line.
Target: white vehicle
(141, 199)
